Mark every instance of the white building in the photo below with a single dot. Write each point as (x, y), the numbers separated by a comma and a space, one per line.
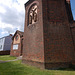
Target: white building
(2, 40)
(5, 43)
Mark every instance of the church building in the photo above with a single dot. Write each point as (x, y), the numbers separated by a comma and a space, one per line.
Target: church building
(49, 34)
(17, 44)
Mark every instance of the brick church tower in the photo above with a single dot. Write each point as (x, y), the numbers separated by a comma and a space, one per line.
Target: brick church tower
(48, 42)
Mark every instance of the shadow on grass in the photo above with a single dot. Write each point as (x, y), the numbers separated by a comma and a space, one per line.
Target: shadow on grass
(71, 68)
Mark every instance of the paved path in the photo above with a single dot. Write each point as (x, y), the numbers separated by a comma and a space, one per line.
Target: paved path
(18, 58)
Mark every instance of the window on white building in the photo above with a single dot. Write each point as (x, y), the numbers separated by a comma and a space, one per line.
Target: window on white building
(0, 46)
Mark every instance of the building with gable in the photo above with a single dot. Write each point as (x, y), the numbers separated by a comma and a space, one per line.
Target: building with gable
(17, 44)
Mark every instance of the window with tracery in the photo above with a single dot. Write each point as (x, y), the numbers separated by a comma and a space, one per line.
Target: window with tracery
(17, 37)
(33, 15)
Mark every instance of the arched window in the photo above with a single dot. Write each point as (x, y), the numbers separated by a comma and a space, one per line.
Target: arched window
(17, 37)
(32, 15)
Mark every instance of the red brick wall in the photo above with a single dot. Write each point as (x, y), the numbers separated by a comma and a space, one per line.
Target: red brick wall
(33, 37)
(16, 52)
(73, 37)
(58, 41)
(55, 11)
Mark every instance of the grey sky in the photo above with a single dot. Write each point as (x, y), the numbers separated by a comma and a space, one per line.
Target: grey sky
(12, 15)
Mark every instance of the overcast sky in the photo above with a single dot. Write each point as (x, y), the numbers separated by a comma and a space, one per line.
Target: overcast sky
(12, 15)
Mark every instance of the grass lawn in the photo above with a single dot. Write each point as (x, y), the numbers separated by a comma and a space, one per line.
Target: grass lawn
(17, 68)
(6, 57)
